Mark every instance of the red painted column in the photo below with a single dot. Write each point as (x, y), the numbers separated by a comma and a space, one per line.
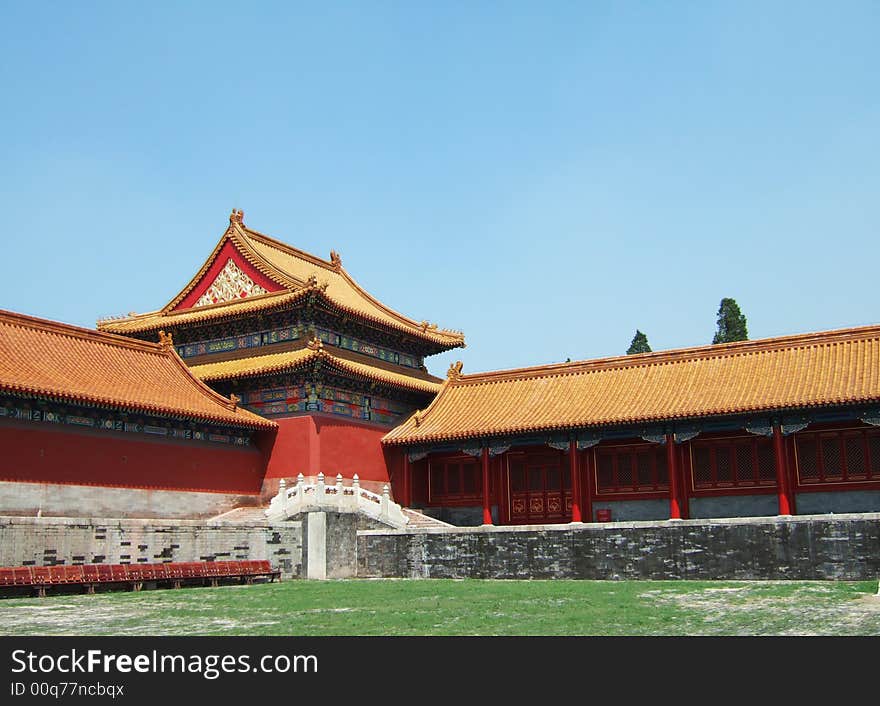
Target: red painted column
(588, 486)
(406, 495)
(674, 491)
(500, 491)
(782, 486)
(575, 481)
(487, 507)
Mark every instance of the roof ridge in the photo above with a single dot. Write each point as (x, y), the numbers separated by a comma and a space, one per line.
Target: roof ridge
(231, 234)
(716, 350)
(423, 325)
(164, 350)
(336, 267)
(289, 249)
(202, 387)
(73, 331)
(415, 418)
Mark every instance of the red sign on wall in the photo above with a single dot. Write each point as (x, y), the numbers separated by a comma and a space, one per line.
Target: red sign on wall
(603, 515)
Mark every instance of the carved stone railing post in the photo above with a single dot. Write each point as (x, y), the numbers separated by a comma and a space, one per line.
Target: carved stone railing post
(385, 500)
(282, 493)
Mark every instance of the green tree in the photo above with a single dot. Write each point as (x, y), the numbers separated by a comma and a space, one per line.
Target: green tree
(731, 323)
(639, 344)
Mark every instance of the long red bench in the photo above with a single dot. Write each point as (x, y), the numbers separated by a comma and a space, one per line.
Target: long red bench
(134, 575)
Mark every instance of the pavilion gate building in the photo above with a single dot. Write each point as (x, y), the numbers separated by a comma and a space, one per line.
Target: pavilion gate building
(777, 426)
(296, 340)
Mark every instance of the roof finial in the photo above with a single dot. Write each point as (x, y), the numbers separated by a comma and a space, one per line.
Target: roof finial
(165, 339)
(454, 372)
(235, 399)
(335, 259)
(315, 344)
(236, 217)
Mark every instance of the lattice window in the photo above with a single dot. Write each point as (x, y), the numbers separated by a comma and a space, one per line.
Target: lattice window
(739, 462)
(874, 452)
(838, 456)
(854, 446)
(766, 463)
(645, 469)
(745, 466)
(605, 471)
(624, 471)
(831, 461)
(808, 466)
(455, 481)
(702, 466)
(627, 469)
(724, 472)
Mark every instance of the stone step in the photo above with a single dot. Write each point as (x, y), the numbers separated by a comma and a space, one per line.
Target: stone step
(419, 519)
(241, 516)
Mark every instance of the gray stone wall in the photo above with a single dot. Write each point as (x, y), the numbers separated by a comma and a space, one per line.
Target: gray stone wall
(838, 502)
(816, 547)
(469, 516)
(341, 545)
(733, 506)
(47, 541)
(62, 500)
(630, 510)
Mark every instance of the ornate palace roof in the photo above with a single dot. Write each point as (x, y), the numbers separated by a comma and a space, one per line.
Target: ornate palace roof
(51, 360)
(249, 271)
(340, 360)
(790, 372)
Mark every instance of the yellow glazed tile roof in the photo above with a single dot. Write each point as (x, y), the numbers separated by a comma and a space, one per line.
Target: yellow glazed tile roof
(298, 273)
(57, 361)
(156, 320)
(291, 360)
(802, 371)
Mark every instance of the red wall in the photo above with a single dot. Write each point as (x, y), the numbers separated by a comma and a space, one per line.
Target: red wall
(51, 455)
(320, 443)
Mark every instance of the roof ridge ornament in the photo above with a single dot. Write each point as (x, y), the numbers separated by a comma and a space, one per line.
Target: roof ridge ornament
(236, 217)
(454, 372)
(165, 339)
(234, 399)
(336, 260)
(316, 344)
(312, 283)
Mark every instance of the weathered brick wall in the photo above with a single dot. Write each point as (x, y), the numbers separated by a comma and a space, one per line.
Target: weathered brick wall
(63, 500)
(47, 541)
(816, 547)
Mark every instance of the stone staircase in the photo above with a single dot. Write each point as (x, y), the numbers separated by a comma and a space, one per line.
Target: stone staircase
(241, 516)
(418, 520)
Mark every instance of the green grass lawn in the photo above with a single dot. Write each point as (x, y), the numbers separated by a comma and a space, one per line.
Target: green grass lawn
(470, 607)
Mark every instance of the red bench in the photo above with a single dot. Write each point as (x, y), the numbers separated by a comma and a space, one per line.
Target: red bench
(134, 576)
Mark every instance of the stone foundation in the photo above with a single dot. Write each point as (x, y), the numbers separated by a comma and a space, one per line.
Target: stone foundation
(802, 547)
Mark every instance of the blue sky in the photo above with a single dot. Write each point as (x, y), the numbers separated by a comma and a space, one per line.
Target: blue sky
(546, 177)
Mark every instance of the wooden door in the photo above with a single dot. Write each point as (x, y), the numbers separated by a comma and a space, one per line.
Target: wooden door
(539, 488)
